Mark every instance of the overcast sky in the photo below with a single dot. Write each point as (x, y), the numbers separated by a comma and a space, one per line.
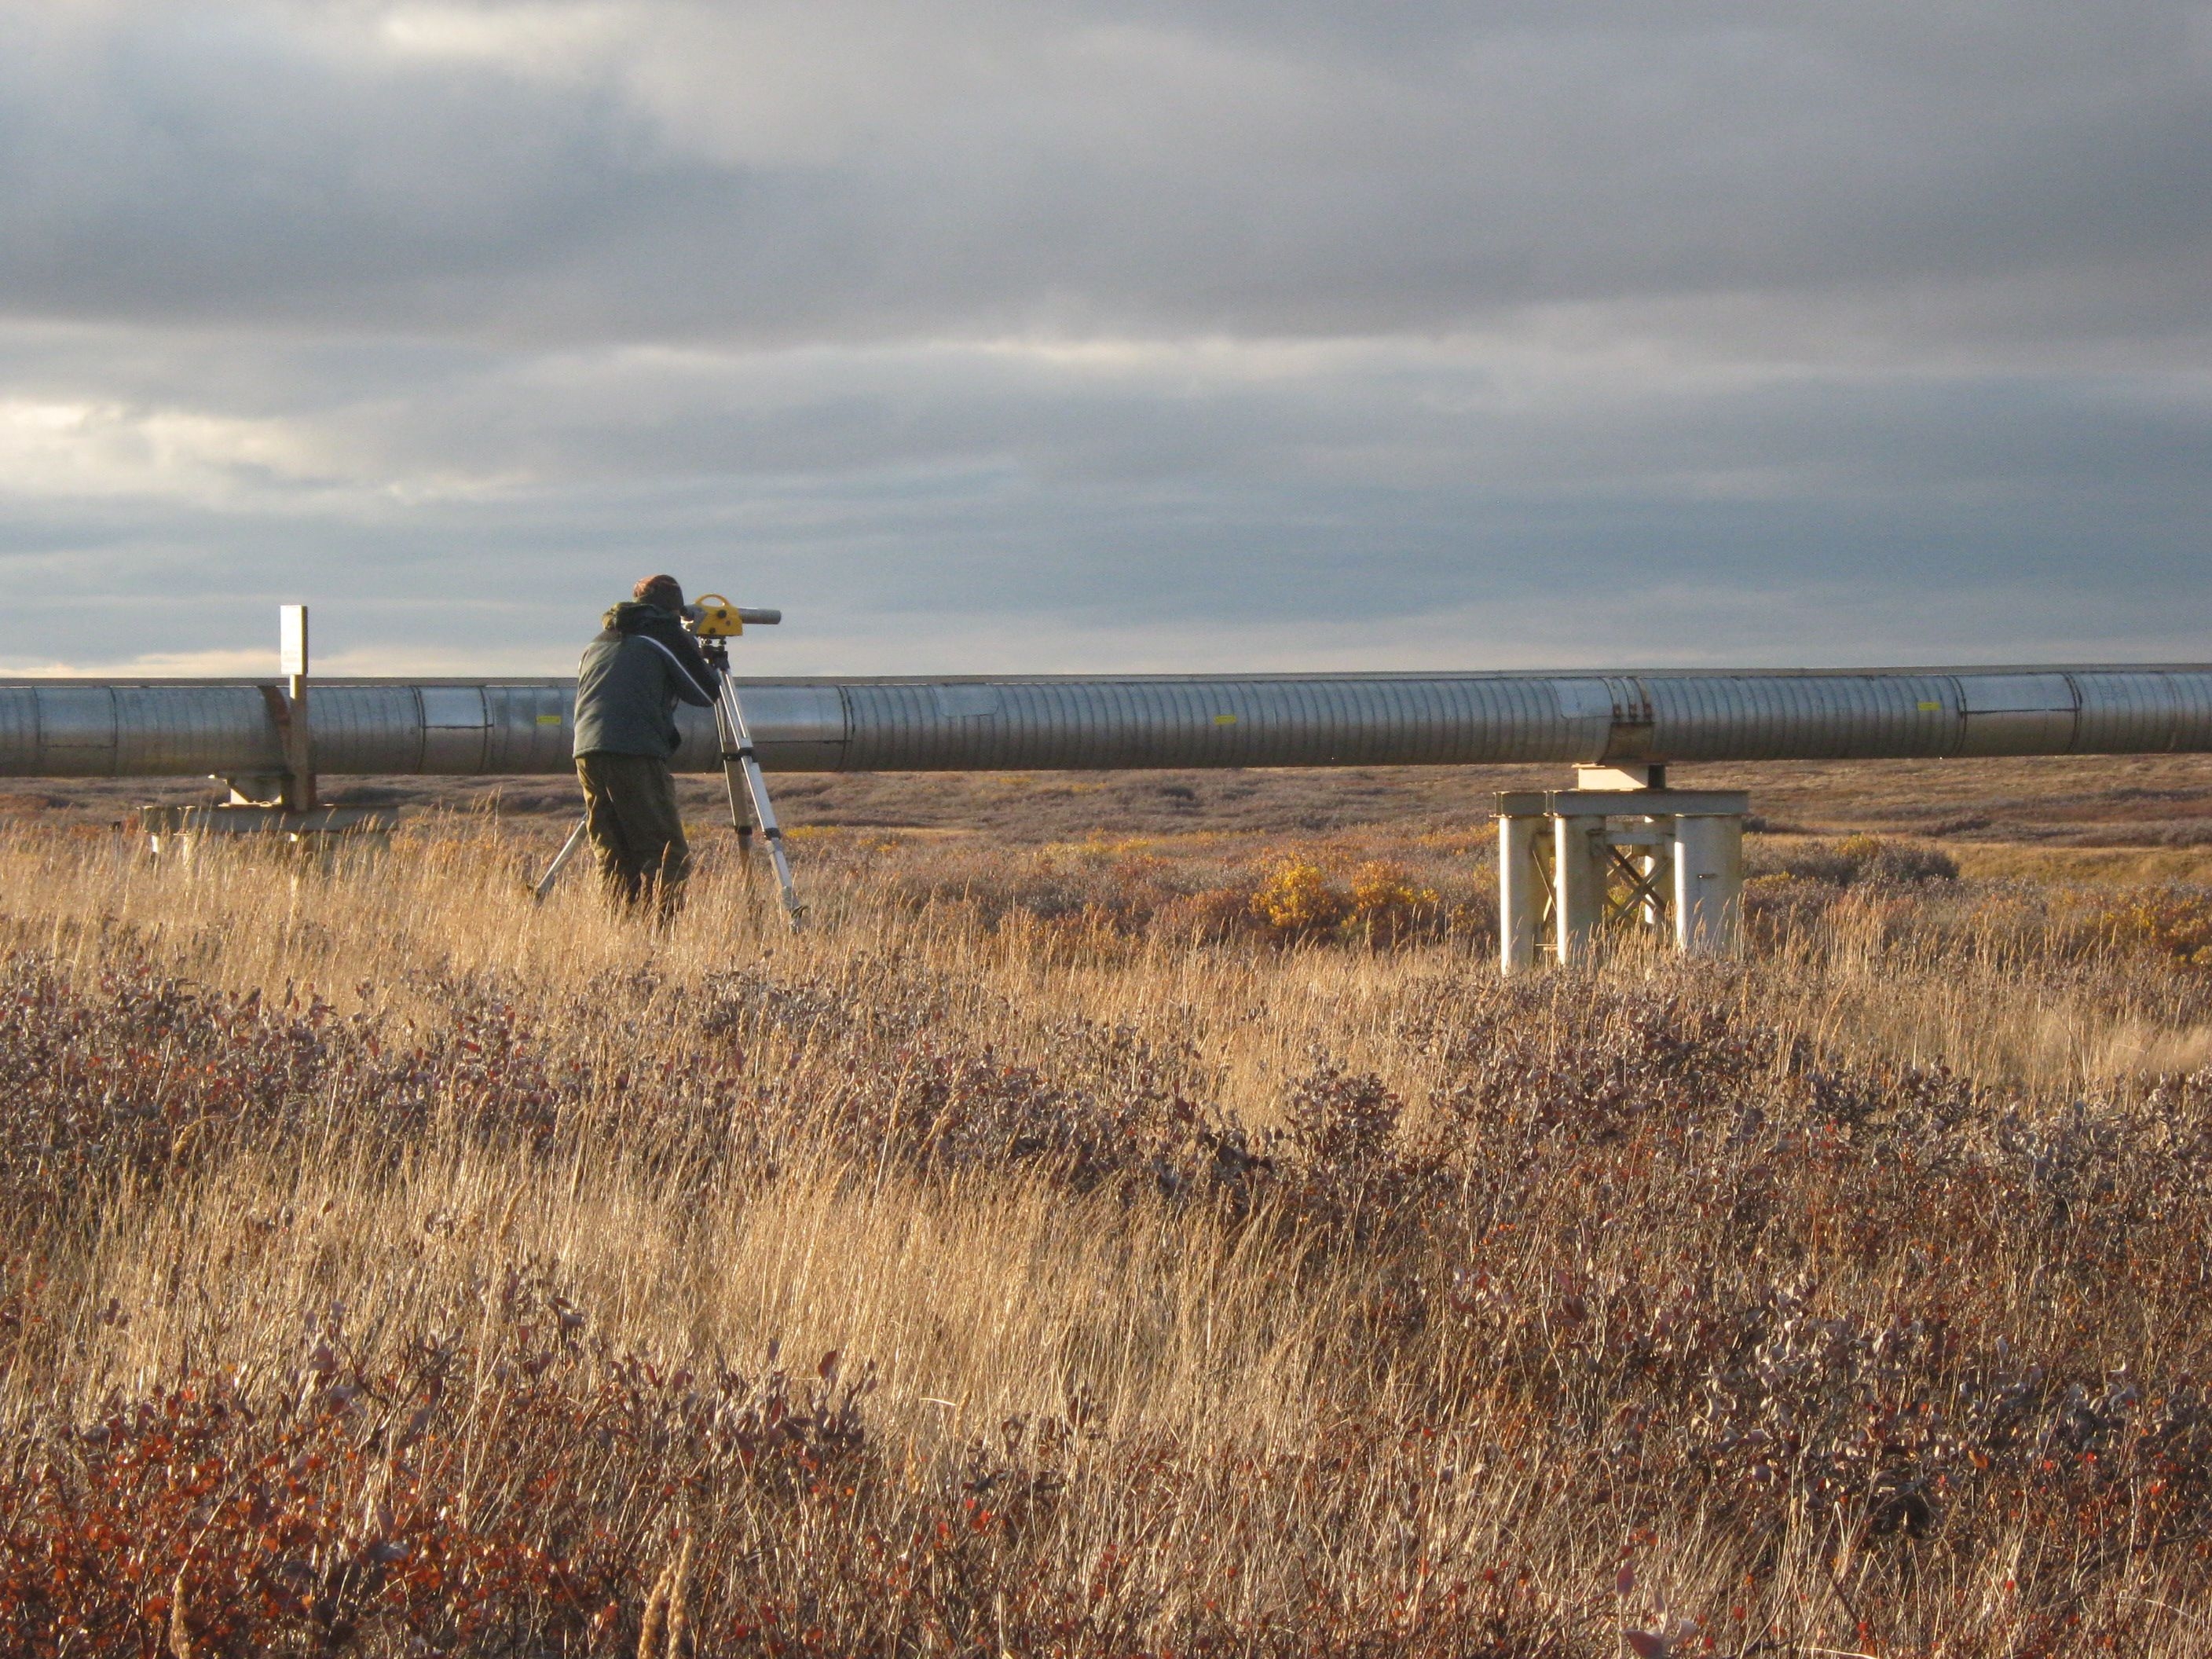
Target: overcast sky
(1051, 335)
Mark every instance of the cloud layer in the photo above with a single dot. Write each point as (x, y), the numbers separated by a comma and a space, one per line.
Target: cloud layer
(1055, 334)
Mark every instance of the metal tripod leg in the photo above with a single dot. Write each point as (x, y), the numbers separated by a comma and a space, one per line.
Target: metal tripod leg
(733, 777)
(739, 754)
(568, 851)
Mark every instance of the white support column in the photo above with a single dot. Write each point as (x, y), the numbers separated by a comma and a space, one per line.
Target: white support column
(1520, 891)
(1708, 883)
(1577, 883)
(299, 793)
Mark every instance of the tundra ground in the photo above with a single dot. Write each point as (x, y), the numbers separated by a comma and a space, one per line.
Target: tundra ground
(1128, 1243)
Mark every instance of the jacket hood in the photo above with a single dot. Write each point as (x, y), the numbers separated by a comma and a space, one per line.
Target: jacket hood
(632, 616)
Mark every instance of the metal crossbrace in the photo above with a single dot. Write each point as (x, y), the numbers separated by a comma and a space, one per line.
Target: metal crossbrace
(1628, 891)
(1642, 888)
(1547, 902)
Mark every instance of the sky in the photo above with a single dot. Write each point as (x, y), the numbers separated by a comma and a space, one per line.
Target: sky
(990, 336)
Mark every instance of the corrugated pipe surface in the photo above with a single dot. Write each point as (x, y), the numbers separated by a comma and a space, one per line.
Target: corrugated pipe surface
(66, 728)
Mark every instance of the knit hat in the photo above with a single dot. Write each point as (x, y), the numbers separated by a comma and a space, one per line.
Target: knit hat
(663, 590)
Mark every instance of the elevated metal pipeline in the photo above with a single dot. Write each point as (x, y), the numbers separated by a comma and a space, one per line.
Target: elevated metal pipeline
(79, 728)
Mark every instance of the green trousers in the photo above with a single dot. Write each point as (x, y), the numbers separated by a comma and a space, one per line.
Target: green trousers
(636, 833)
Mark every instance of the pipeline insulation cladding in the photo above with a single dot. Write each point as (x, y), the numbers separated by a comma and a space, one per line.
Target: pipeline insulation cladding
(150, 728)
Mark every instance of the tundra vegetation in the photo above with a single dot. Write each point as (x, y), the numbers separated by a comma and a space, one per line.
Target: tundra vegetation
(1144, 1246)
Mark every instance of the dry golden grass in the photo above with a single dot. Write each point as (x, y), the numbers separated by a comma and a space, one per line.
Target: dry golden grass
(2103, 800)
(2126, 867)
(395, 1266)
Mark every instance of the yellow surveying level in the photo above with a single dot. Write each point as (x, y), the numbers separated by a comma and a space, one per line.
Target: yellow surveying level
(714, 618)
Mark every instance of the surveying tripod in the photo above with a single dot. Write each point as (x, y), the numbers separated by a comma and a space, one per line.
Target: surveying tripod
(715, 622)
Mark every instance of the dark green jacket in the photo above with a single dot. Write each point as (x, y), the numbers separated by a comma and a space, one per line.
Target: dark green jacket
(633, 675)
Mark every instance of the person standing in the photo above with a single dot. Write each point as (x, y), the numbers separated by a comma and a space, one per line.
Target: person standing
(640, 665)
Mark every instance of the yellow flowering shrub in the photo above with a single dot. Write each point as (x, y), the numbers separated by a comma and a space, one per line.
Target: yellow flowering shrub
(1297, 898)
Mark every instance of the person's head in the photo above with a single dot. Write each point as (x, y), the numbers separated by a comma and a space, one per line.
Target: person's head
(663, 590)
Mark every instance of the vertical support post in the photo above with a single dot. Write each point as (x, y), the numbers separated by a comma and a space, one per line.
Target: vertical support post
(1577, 883)
(292, 663)
(1708, 883)
(1519, 901)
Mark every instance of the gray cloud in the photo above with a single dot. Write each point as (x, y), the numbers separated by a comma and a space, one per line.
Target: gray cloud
(777, 173)
(1087, 331)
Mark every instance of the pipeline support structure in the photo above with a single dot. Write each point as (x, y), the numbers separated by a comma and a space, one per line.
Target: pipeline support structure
(1619, 857)
(1618, 852)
